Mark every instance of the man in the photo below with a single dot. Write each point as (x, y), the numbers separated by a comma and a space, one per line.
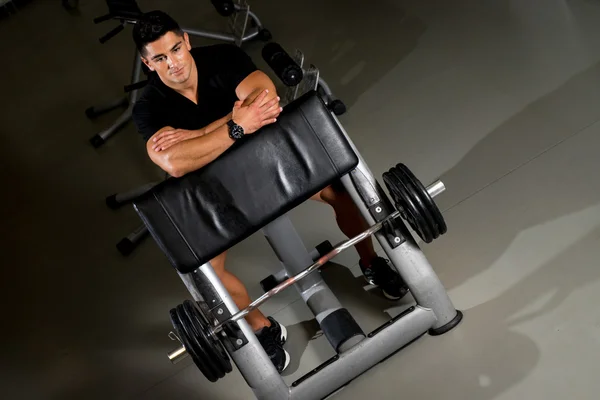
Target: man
(197, 103)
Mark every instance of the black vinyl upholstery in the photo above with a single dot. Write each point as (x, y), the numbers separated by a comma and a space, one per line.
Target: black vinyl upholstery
(261, 177)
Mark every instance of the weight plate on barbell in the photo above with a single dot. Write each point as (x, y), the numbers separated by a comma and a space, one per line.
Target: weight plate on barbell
(215, 349)
(428, 201)
(207, 352)
(414, 203)
(413, 189)
(407, 204)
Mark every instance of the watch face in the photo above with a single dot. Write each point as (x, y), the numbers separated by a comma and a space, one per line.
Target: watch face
(237, 132)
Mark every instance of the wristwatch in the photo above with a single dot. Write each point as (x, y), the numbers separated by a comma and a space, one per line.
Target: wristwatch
(235, 131)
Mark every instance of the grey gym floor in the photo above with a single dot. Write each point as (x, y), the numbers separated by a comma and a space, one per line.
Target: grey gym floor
(499, 99)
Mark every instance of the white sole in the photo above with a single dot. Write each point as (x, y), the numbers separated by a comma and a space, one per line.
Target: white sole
(287, 360)
(284, 334)
(389, 297)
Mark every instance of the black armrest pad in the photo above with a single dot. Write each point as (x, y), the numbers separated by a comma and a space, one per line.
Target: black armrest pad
(261, 177)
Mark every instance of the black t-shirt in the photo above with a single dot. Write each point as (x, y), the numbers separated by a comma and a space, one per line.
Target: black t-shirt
(221, 68)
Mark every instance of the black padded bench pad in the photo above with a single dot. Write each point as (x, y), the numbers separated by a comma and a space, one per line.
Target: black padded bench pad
(259, 178)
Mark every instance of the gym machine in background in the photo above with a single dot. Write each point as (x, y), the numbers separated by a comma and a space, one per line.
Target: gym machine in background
(297, 80)
(244, 26)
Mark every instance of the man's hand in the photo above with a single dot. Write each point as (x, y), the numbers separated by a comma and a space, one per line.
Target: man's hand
(257, 114)
(168, 138)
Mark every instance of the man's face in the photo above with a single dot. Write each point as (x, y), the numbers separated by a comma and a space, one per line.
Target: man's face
(170, 57)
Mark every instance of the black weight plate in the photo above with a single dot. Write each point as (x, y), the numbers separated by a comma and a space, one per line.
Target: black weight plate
(395, 185)
(414, 191)
(201, 359)
(429, 202)
(189, 346)
(201, 345)
(401, 199)
(419, 214)
(214, 349)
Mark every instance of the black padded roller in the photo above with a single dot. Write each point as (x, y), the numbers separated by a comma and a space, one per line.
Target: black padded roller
(282, 64)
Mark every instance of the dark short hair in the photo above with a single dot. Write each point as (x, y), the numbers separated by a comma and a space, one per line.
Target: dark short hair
(152, 26)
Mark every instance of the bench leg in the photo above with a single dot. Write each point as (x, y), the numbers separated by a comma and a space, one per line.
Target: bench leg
(251, 359)
(406, 256)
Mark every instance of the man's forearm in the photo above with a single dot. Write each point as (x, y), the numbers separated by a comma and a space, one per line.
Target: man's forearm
(192, 154)
(220, 122)
(217, 124)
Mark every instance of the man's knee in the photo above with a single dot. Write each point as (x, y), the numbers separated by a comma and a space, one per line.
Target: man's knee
(218, 264)
(333, 195)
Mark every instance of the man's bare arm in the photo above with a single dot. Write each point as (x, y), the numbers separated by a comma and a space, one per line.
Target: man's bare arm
(192, 154)
(253, 84)
(169, 136)
(247, 91)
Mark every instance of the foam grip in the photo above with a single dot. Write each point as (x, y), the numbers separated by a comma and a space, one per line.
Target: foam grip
(112, 203)
(337, 106)
(126, 246)
(224, 7)
(282, 64)
(97, 141)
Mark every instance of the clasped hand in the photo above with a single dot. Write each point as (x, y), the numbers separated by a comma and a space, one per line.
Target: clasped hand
(257, 114)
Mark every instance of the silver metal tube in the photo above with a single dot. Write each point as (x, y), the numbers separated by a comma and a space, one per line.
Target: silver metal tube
(325, 87)
(177, 355)
(139, 233)
(409, 260)
(319, 263)
(256, 20)
(252, 361)
(436, 188)
(364, 355)
(250, 36)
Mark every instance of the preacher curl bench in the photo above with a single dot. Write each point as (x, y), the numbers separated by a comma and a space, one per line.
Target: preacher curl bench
(251, 187)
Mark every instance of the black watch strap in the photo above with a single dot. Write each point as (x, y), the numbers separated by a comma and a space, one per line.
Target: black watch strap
(235, 131)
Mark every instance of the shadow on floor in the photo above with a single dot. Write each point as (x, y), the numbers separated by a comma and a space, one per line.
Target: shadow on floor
(542, 124)
(550, 192)
(490, 347)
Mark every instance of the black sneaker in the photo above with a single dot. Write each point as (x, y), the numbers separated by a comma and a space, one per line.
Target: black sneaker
(272, 339)
(382, 275)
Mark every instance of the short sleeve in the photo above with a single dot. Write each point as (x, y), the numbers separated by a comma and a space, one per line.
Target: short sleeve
(146, 122)
(234, 65)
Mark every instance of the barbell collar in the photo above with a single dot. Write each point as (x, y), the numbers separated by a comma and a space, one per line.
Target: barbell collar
(436, 188)
(177, 355)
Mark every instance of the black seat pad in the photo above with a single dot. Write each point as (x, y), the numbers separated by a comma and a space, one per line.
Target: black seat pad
(261, 177)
